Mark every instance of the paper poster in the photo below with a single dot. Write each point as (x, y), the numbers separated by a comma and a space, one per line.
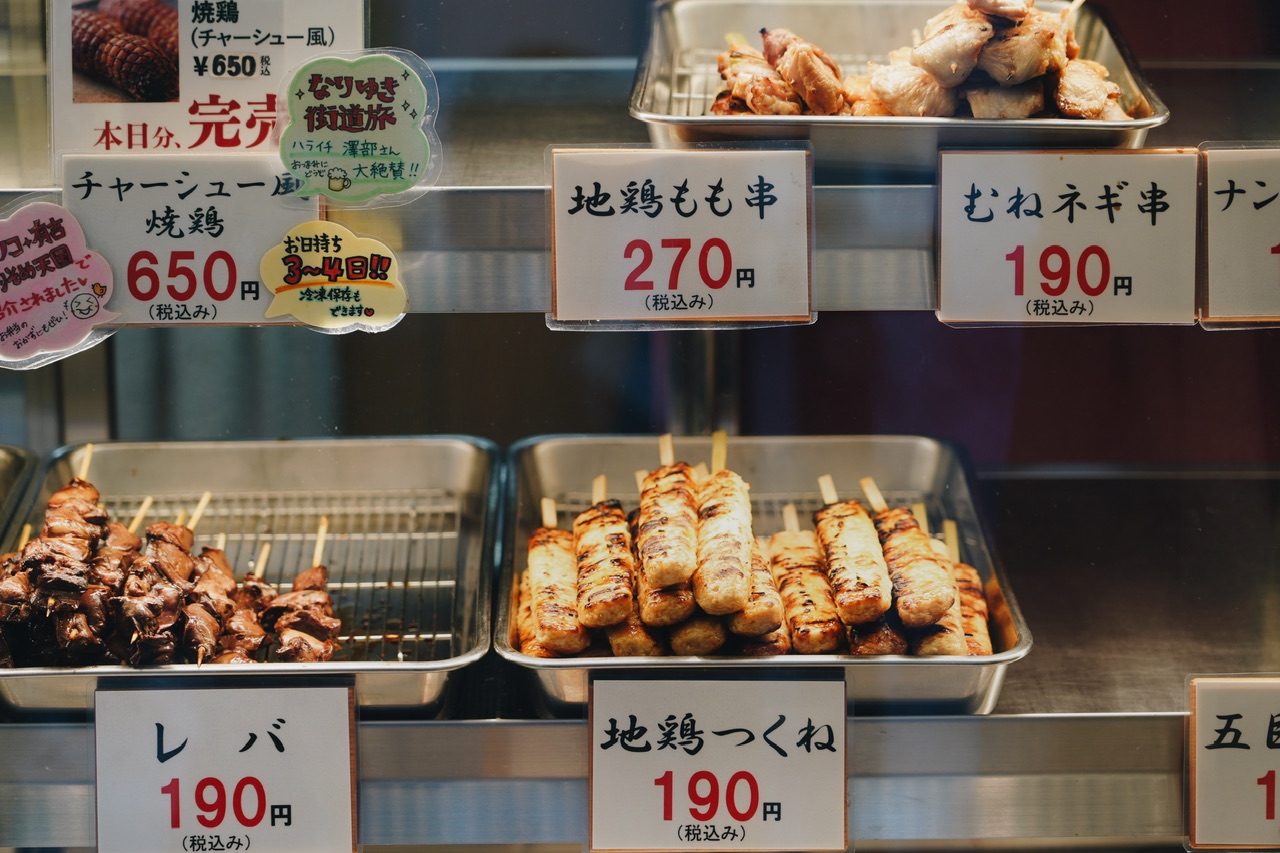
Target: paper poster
(359, 127)
(328, 277)
(53, 287)
(165, 76)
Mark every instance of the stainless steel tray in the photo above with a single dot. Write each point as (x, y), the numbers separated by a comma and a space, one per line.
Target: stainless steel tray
(409, 551)
(779, 470)
(676, 81)
(15, 471)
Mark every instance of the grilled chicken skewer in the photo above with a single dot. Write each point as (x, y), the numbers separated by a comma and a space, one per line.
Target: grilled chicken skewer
(854, 559)
(667, 527)
(811, 73)
(602, 546)
(552, 580)
(303, 617)
(922, 584)
(721, 582)
(795, 558)
(974, 611)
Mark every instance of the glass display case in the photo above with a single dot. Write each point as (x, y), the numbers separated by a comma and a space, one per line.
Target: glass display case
(1127, 476)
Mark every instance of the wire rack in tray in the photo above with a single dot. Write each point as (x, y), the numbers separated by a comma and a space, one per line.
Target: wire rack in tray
(392, 557)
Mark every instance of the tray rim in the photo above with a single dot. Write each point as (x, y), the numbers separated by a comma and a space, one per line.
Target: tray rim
(506, 580)
(487, 493)
(649, 59)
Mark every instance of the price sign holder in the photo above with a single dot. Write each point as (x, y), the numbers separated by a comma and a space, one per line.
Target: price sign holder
(718, 759)
(705, 237)
(267, 768)
(1241, 253)
(1232, 763)
(1067, 237)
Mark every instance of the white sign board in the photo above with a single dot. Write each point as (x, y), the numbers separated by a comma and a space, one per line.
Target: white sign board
(185, 235)
(693, 236)
(265, 769)
(1242, 224)
(718, 765)
(1067, 237)
(1234, 738)
(169, 76)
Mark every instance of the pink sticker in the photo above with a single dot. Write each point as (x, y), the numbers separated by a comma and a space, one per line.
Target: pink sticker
(53, 289)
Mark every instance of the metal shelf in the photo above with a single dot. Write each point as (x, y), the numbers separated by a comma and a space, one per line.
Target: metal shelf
(1010, 780)
(477, 242)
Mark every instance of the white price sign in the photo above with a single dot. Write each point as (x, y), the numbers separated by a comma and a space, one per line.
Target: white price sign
(1234, 759)
(1242, 224)
(695, 237)
(266, 769)
(185, 235)
(718, 765)
(1067, 237)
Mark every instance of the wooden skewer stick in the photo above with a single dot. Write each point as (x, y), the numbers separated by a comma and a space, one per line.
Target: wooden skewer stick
(827, 487)
(82, 472)
(1073, 8)
(700, 472)
(181, 518)
(666, 449)
(922, 516)
(640, 475)
(599, 488)
(874, 496)
(260, 565)
(317, 556)
(220, 541)
(951, 535)
(198, 512)
(136, 521)
(719, 450)
(549, 518)
(24, 536)
(790, 518)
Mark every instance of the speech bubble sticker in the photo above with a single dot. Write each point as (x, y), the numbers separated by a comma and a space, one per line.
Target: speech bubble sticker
(334, 280)
(53, 288)
(360, 128)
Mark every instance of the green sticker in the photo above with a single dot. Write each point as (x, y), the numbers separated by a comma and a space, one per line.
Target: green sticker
(356, 128)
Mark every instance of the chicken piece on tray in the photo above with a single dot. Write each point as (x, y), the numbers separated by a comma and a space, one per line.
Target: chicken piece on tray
(951, 47)
(309, 610)
(1035, 45)
(17, 592)
(813, 74)
(1021, 101)
(243, 633)
(301, 647)
(254, 594)
(1013, 9)
(862, 99)
(911, 91)
(1085, 92)
(117, 550)
(755, 84)
(170, 545)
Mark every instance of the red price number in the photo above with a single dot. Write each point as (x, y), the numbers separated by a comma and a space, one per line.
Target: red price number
(1092, 270)
(715, 262)
(216, 277)
(740, 795)
(248, 802)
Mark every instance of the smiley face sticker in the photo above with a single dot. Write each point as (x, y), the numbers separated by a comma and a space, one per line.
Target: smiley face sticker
(362, 128)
